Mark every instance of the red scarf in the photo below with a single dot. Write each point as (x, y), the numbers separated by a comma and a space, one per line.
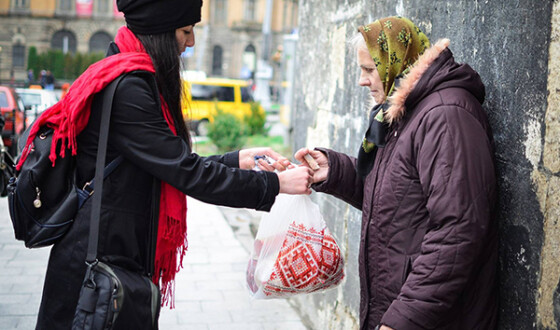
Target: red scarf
(70, 116)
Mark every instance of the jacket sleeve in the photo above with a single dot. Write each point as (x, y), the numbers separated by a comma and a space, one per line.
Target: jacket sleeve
(456, 171)
(343, 181)
(141, 134)
(230, 159)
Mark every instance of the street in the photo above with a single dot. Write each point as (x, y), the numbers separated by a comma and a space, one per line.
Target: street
(210, 289)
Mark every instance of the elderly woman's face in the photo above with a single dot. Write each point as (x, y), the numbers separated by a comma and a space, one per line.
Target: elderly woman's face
(185, 37)
(369, 77)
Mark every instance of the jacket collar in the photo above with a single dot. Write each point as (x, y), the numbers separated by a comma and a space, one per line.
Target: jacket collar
(406, 84)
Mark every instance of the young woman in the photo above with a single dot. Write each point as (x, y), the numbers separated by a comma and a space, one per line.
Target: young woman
(159, 168)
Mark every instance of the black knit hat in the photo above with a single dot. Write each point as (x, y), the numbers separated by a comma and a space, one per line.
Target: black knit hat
(159, 16)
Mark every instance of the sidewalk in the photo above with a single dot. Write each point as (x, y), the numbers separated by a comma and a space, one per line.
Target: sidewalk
(210, 289)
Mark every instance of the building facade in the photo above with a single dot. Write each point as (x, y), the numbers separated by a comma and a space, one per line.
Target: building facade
(69, 25)
(229, 41)
(232, 35)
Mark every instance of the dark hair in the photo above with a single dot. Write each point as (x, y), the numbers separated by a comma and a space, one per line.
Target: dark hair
(163, 50)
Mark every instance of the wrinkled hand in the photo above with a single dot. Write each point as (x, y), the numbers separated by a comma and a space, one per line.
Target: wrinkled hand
(321, 159)
(296, 181)
(384, 327)
(247, 159)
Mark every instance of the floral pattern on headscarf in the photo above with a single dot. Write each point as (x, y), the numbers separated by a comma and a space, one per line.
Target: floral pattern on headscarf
(394, 44)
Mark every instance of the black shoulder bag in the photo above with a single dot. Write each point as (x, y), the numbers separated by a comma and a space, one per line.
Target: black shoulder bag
(44, 199)
(113, 297)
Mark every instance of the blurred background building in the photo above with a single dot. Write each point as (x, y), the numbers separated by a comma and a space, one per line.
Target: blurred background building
(84, 26)
(229, 40)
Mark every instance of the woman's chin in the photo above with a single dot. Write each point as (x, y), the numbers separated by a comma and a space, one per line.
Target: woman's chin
(370, 102)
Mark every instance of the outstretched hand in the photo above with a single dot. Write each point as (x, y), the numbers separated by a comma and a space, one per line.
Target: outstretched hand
(247, 159)
(322, 172)
(296, 181)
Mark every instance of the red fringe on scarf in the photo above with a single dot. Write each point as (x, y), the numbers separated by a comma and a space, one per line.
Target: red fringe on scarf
(172, 246)
(172, 232)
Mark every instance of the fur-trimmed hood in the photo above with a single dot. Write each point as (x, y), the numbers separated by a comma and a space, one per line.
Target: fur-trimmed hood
(434, 70)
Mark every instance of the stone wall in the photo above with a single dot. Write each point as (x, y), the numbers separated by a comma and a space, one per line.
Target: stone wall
(514, 45)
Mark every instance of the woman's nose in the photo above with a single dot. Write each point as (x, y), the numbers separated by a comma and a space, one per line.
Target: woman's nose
(190, 41)
(363, 81)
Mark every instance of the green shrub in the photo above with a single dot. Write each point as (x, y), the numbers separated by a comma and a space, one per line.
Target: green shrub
(33, 60)
(63, 66)
(257, 120)
(227, 132)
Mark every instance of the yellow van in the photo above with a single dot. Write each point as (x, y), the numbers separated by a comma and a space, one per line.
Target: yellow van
(199, 107)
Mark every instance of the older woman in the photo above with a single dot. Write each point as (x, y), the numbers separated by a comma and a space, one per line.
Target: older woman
(424, 180)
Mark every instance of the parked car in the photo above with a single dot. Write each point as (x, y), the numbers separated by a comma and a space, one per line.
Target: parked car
(36, 101)
(199, 104)
(7, 165)
(12, 110)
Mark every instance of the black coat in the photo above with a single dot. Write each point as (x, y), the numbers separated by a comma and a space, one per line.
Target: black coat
(152, 154)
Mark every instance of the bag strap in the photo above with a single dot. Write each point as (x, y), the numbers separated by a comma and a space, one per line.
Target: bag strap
(89, 187)
(93, 239)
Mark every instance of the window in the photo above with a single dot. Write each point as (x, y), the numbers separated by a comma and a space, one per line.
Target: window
(217, 61)
(246, 95)
(99, 42)
(64, 40)
(19, 7)
(203, 92)
(225, 94)
(30, 99)
(220, 10)
(249, 10)
(4, 100)
(249, 62)
(250, 49)
(21, 4)
(102, 7)
(210, 93)
(65, 5)
(18, 55)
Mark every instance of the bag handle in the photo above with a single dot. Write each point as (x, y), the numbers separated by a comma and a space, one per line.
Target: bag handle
(93, 239)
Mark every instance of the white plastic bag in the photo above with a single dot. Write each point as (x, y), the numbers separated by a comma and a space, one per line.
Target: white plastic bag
(294, 252)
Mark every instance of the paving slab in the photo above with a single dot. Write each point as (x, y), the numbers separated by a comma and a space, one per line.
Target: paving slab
(210, 289)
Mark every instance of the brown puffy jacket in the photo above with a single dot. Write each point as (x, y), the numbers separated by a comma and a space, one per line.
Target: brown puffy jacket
(428, 251)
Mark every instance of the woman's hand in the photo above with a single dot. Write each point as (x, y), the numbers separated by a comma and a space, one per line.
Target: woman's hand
(296, 181)
(384, 327)
(321, 159)
(247, 159)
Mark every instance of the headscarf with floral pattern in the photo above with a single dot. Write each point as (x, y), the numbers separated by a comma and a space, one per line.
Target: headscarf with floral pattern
(394, 44)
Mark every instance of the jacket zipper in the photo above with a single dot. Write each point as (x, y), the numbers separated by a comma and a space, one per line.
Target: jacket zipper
(392, 135)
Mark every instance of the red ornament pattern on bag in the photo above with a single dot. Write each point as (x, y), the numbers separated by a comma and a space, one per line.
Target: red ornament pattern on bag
(309, 260)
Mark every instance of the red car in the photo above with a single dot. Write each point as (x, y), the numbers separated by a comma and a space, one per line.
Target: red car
(12, 109)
